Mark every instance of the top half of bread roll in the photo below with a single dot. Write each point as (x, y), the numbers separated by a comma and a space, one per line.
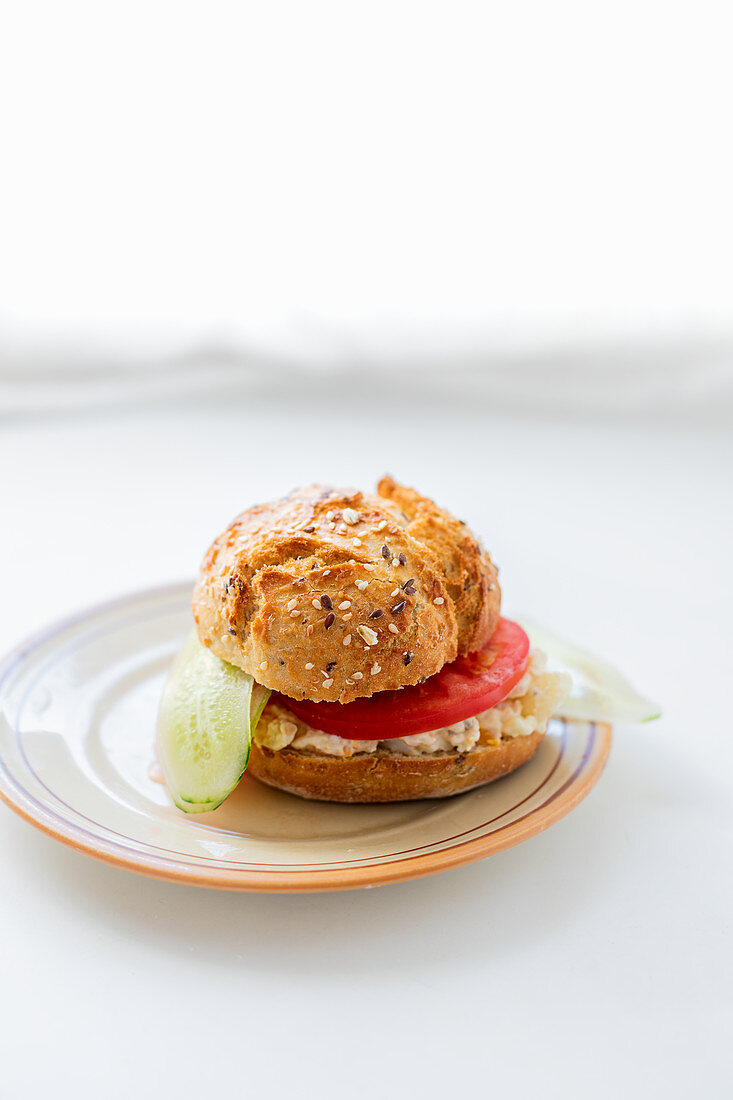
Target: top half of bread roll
(332, 594)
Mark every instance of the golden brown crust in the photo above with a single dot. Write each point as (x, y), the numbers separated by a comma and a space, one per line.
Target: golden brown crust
(385, 776)
(302, 593)
(470, 575)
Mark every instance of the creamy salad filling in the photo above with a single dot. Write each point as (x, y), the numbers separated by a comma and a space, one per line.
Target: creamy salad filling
(527, 709)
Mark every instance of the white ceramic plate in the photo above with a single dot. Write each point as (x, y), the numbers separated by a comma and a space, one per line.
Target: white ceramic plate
(77, 726)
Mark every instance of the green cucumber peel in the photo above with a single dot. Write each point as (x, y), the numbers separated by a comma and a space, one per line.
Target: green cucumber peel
(208, 713)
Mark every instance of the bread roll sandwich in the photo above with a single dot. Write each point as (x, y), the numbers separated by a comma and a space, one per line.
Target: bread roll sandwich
(349, 647)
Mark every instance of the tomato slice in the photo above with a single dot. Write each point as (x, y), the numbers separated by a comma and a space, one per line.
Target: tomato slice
(460, 690)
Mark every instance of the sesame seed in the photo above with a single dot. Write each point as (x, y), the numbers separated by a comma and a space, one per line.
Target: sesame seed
(358, 675)
(393, 628)
(347, 617)
(385, 552)
(347, 640)
(332, 526)
(356, 542)
(329, 515)
(398, 607)
(329, 620)
(310, 665)
(350, 516)
(381, 525)
(316, 604)
(309, 630)
(396, 592)
(376, 614)
(369, 636)
(326, 602)
(327, 683)
(394, 562)
(402, 559)
(350, 682)
(375, 669)
(344, 605)
(294, 614)
(368, 565)
(408, 657)
(263, 666)
(342, 528)
(292, 603)
(438, 599)
(361, 585)
(325, 572)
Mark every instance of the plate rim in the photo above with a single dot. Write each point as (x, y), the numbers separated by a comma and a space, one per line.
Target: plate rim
(289, 881)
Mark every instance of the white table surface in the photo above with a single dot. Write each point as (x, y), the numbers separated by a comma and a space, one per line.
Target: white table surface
(592, 961)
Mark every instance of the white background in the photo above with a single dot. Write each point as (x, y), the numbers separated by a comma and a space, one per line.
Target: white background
(337, 182)
(485, 247)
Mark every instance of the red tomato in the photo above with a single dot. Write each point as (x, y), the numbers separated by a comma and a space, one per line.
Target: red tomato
(460, 690)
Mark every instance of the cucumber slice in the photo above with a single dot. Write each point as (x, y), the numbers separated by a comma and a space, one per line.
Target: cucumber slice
(599, 693)
(207, 715)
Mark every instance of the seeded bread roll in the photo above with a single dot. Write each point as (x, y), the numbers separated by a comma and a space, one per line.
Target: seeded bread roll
(385, 776)
(328, 595)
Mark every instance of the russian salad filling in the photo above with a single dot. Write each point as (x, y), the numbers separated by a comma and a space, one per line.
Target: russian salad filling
(527, 709)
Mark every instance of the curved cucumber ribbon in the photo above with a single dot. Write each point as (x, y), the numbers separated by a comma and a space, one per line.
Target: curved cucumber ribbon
(208, 713)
